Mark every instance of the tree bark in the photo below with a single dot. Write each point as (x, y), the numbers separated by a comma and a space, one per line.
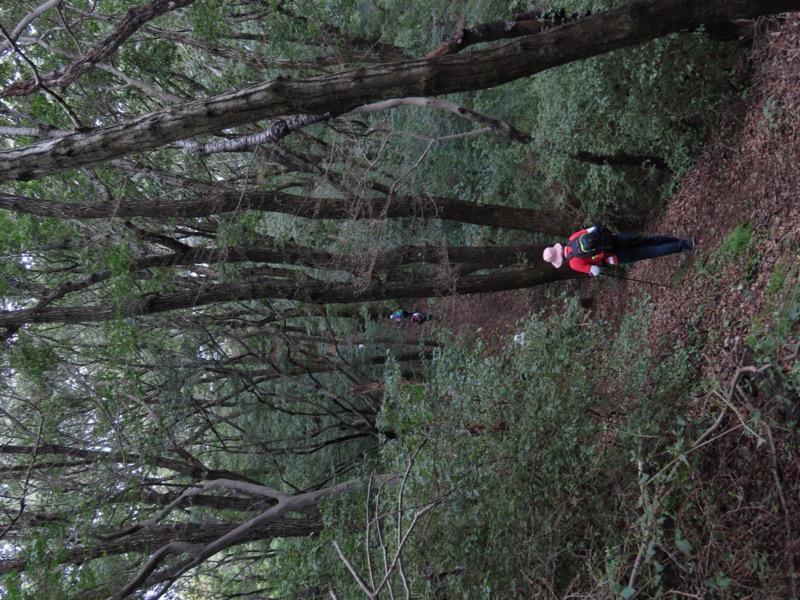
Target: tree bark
(194, 470)
(628, 25)
(623, 160)
(498, 125)
(317, 292)
(286, 504)
(449, 209)
(389, 262)
(526, 23)
(149, 539)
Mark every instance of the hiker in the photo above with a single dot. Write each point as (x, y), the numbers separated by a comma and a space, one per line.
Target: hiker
(399, 316)
(590, 248)
(417, 317)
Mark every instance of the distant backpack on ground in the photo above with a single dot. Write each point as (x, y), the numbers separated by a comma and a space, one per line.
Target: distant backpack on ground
(599, 240)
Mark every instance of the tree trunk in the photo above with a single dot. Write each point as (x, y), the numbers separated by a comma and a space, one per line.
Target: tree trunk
(195, 470)
(147, 540)
(390, 262)
(623, 160)
(628, 25)
(318, 292)
(449, 209)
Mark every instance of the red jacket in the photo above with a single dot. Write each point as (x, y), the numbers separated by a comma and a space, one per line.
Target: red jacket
(584, 265)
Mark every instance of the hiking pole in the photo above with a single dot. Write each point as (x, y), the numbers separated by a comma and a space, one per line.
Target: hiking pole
(636, 280)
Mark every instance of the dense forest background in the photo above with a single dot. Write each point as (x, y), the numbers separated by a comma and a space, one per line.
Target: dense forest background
(202, 394)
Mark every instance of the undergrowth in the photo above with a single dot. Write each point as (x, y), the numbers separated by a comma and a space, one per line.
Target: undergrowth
(576, 464)
(533, 459)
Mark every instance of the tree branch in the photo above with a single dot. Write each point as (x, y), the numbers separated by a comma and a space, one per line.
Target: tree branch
(134, 19)
(494, 123)
(25, 21)
(286, 504)
(630, 24)
(38, 83)
(284, 127)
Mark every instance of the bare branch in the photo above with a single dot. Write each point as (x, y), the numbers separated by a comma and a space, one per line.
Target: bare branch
(27, 20)
(361, 583)
(371, 590)
(134, 19)
(26, 481)
(241, 486)
(279, 130)
(40, 84)
(286, 504)
(284, 127)
(438, 104)
(153, 562)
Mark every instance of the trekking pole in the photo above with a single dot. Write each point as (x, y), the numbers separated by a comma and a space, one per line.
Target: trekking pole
(636, 280)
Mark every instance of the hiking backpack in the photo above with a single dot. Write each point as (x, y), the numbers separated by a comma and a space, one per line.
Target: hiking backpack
(590, 244)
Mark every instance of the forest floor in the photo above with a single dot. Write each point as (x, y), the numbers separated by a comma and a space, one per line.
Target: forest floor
(741, 201)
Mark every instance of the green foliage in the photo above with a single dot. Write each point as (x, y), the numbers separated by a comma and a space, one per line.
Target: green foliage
(771, 114)
(736, 241)
(657, 99)
(637, 101)
(32, 358)
(732, 250)
(774, 330)
(517, 438)
(208, 19)
(157, 57)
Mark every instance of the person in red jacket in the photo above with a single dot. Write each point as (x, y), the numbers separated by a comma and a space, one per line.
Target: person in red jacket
(624, 248)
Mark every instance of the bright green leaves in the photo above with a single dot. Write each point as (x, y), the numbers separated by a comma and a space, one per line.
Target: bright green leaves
(118, 258)
(649, 100)
(524, 436)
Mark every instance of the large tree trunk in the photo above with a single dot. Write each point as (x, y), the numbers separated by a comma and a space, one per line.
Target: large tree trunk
(390, 263)
(414, 285)
(634, 23)
(449, 209)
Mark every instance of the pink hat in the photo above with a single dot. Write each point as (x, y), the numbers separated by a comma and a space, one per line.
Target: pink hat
(554, 255)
